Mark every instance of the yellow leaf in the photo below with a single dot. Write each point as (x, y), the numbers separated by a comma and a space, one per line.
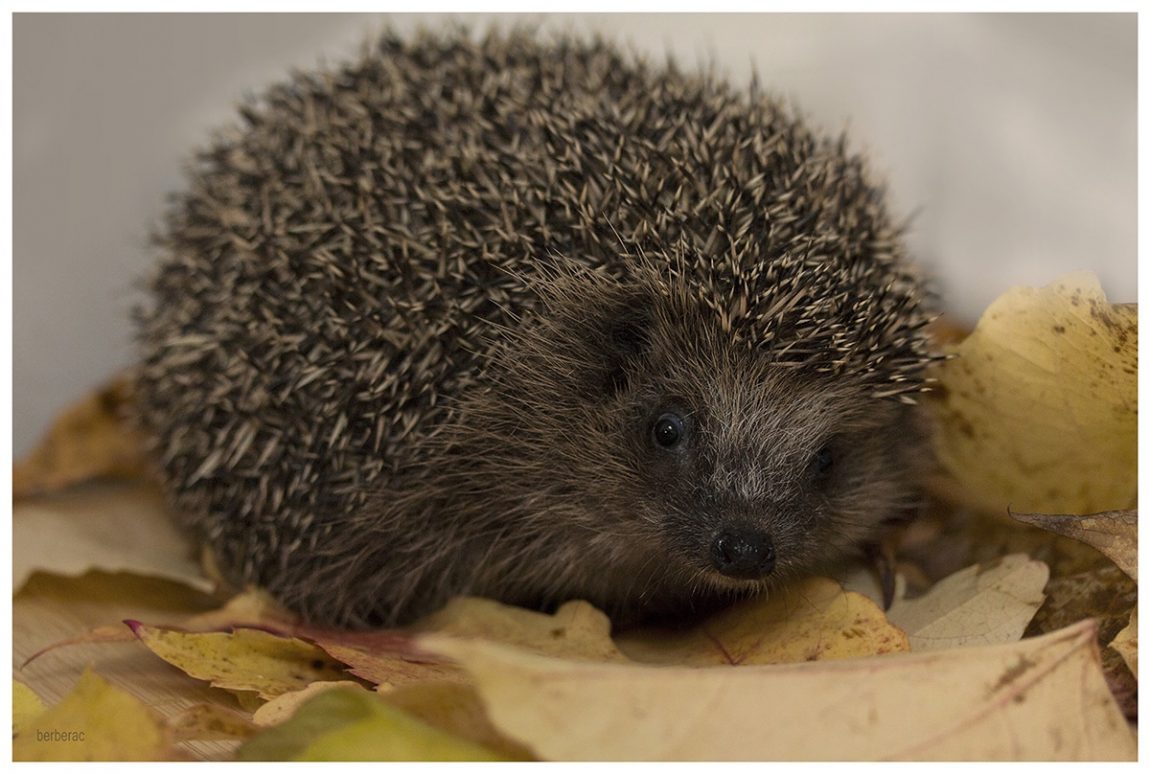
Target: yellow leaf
(806, 621)
(252, 607)
(243, 660)
(1126, 643)
(26, 707)
(975, 606)
(1038, 410)
(210, 722)
(1043, 698)
(390, 659)
(282, 707)
(96, 722)
(575, 630)
(89, 439)
(355, 725)
(455, 708)
(1114, 533)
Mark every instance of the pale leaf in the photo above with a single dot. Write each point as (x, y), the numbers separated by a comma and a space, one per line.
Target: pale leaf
(112, 527)
(1041, 699)
(975, 606)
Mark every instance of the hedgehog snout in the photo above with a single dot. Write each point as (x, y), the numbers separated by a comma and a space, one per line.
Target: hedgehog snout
(746, 554)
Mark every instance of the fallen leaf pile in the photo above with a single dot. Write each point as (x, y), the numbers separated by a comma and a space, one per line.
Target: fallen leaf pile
(1008, 639)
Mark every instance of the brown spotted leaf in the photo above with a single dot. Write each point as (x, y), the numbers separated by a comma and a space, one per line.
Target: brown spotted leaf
(1037, 410)
(242, 660)
(1114, 533)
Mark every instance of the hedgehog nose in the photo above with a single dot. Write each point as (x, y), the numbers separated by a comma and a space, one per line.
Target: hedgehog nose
(743, 554)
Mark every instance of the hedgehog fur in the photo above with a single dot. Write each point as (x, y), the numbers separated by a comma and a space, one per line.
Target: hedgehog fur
(425, 324)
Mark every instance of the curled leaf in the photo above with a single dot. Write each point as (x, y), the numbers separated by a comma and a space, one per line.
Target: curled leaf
(1114, 533)
(1038, 699)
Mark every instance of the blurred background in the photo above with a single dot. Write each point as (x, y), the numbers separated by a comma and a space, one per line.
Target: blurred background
(1010, 139)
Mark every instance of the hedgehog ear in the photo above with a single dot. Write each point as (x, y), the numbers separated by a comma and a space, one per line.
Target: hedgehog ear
(628, 338)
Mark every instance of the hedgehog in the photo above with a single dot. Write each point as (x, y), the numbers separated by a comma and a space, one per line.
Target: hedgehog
(530, 319)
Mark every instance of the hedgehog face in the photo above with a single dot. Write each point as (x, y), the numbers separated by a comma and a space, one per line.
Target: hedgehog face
(747, 471)
(682, 459)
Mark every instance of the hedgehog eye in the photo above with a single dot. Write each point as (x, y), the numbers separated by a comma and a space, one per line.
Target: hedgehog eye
(668, 431)
(822, 462)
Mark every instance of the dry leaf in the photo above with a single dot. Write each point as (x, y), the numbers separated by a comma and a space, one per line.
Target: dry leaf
(1126, 643)
(356, 725)
(87, 440)
(282, 707)
(1043, 698)
(96, 722)
(26, 707)
(1105, 594)
(242, 660)
(253, 608)
(1114, 533)
(387, 659)
(1038, 410)
(391, 658)
(112, 527)
(455, 708)
(807, 621)
(976, 606)
(99, 596)
(210, 721)
(94, 636)
(51, 608)
(575, 630)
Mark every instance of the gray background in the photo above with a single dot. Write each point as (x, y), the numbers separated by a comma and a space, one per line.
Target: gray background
(1012, 138)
